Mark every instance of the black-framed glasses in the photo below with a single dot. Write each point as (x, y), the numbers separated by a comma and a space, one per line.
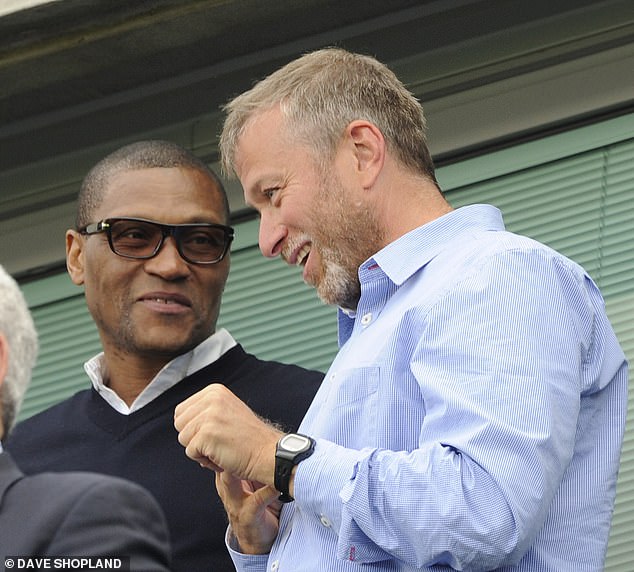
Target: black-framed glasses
(197, 243)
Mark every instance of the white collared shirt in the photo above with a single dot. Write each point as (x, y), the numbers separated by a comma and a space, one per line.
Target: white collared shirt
(202, 355)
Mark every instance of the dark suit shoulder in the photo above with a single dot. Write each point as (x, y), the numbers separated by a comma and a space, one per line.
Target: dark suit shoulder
(84, 514)
(60, 494)
(77, 486)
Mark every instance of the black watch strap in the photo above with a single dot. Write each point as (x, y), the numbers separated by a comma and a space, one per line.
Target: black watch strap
(283, 471)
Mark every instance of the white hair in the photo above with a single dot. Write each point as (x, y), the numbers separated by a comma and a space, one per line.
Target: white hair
(16, 324)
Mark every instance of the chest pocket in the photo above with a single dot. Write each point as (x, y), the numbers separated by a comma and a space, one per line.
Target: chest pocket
(347, 410)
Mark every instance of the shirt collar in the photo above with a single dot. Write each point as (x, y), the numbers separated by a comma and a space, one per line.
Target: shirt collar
(402, 258)
(202, 355)
(408, 254)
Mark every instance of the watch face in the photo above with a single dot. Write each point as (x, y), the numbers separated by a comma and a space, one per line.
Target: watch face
(295, 443)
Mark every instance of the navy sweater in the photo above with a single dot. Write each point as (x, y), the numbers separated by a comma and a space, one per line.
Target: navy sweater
(85, 433)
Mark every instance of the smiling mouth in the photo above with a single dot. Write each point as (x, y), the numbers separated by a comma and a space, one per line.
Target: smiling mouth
(163, 301)
(302, 255)
(166, 300)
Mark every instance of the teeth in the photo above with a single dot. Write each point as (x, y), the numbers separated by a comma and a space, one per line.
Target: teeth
(302, 254)
(163, 301)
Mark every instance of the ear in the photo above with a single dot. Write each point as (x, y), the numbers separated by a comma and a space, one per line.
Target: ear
(4, 358)
(75, 256)
(369, 149)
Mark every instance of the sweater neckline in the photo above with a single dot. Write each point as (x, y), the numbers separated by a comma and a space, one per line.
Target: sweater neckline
(105, 416)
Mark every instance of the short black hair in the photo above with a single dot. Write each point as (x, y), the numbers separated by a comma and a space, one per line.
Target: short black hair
(148, 154)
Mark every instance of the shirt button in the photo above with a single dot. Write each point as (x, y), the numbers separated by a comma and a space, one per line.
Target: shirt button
(325, 521)
(275, 565)
(366, 319)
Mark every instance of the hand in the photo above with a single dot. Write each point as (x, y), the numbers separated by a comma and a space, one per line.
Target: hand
(253, 511)
(221, 433)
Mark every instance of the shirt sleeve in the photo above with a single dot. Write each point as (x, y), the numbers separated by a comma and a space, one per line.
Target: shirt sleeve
(244, 562)
(502, 361)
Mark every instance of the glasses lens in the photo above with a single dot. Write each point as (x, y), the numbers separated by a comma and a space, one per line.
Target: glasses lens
(133, 238)
(201, 243)
(142, 239)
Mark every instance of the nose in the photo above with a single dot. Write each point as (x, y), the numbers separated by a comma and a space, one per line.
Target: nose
(168, 263)
(271, 235)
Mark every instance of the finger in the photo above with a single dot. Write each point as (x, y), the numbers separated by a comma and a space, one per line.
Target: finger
(266, 495)
(232, 486)
(195, 454)
(233, 492)
(183, 414)
(189, 420)
(190, 407)
(188, 432)
(207, 464)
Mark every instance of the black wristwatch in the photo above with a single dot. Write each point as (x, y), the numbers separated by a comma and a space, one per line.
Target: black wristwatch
(291, 449)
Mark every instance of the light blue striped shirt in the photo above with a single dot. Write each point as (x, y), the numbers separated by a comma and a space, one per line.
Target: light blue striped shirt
(472, 419)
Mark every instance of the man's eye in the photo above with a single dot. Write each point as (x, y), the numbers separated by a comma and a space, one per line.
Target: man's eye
(204, 239)
(133, 234)
(270, 193)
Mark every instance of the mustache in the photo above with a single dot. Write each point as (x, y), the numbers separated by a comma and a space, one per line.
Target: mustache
(292, 244)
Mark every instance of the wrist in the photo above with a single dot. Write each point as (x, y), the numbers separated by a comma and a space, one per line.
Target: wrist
(246, 547)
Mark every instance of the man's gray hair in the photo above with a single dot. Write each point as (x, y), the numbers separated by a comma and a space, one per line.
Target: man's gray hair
(16, 324)
(322, 92)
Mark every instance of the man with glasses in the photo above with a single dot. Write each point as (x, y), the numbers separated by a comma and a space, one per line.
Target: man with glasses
(151, 249)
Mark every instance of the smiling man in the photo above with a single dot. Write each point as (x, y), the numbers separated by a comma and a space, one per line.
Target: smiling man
(473, 417)
(151, 250)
